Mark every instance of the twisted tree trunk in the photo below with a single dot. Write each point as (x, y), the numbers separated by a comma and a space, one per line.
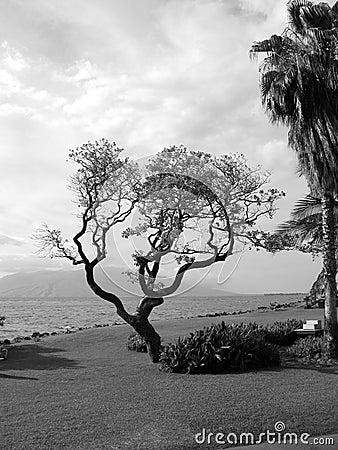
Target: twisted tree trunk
(138, 321)
(143, 327)
(151, 337)
(330, 270)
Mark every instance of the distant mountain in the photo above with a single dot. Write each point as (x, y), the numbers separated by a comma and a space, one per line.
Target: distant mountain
(62, 283)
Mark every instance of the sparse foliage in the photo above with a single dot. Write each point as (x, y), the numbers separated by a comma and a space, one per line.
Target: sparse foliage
(195, 210)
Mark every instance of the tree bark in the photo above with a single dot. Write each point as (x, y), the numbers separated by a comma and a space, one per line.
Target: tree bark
(144, 328)
(330, 270)
(151, 337)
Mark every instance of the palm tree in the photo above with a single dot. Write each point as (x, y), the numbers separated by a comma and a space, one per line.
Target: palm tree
(305, 225)
(304, 230)
(299, 88)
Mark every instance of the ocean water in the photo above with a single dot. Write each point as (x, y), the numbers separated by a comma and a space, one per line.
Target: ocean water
(27, 315)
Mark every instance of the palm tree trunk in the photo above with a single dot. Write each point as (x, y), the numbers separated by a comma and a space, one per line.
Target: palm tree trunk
(330, 270)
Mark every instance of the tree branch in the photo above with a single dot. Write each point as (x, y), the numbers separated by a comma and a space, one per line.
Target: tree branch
(149, 292)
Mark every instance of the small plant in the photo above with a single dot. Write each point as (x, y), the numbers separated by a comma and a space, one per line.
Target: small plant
(221, 348)
(283, 333)
(311, 348)
(136, 343)
(2, 319)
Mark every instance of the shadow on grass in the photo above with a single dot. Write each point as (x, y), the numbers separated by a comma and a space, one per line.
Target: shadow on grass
(14, 377)
(330, 370)
(36, 357)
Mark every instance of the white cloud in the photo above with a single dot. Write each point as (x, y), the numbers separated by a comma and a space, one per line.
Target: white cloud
(12, 58)
(38, 95)
(8, 83)
(276, 155)
(147, 74)
(79, 72)
(7, 109)
(21, 262)
(10, 240)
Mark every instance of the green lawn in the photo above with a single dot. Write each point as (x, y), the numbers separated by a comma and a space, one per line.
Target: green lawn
(86, 391)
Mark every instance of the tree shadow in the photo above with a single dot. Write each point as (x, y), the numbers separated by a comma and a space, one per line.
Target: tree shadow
(14, 377)
(36, 357)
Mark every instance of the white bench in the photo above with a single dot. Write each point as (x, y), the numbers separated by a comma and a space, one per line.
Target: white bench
(311, 328)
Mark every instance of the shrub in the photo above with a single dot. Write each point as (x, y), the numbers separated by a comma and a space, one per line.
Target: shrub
(283, 333)
(2, 319)
(136, 343)
(311, 348)
(221, 348)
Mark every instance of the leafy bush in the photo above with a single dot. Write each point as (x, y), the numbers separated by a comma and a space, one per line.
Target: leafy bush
(136, 343)
(311, 348)
(283, 333)
(221, 348)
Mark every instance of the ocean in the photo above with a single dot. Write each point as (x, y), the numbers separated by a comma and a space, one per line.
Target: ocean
(27, 315)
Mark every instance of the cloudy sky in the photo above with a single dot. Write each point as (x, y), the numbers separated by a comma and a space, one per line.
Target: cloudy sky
(146, 74)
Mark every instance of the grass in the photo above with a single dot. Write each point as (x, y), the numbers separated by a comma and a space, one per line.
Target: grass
(86, 391)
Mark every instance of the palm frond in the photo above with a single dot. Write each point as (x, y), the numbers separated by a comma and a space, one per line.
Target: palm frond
(306, 208)
(305, 223)
(316, 16)
(299, 88)
(300, 226)
(294, 8)
(272, 45)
